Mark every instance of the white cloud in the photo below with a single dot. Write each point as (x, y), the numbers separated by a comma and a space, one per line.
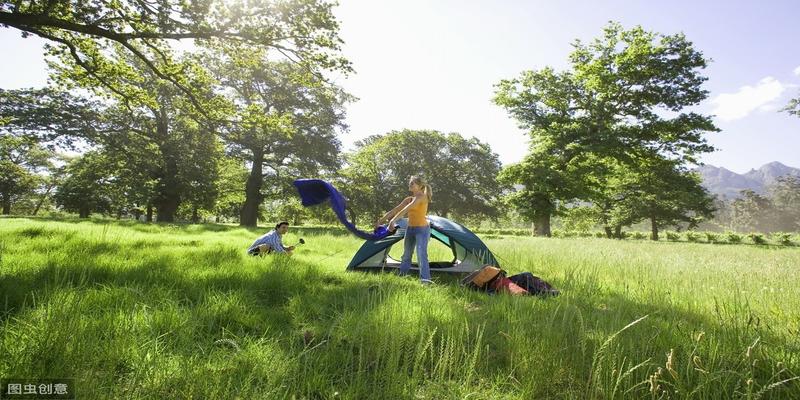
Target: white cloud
(732, 106)
(797, 71)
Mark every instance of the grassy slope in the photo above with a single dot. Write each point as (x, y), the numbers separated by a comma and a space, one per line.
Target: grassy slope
(150, 311)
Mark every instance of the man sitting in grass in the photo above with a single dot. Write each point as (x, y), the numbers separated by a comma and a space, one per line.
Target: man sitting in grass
(271, 242)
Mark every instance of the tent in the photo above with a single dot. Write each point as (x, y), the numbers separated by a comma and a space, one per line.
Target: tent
(469, 252)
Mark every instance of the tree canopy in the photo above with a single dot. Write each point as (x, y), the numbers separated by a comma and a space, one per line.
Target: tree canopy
(91, 33)
(461, 171)
(622, 99)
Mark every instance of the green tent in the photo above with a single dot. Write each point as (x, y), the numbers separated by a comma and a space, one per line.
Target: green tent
(469, 252)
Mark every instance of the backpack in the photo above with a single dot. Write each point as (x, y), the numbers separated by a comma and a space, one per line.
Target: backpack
(533, 284)
(492, 280)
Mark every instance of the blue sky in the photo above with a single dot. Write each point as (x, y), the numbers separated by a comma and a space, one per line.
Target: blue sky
(432, 65)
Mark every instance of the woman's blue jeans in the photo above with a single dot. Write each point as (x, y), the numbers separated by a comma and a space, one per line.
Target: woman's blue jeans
(419, 236)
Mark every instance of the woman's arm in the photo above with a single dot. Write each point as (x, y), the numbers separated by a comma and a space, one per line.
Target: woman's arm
(402, 212)
(394, 211)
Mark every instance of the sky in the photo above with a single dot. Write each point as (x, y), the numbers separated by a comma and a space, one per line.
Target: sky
(433, 64)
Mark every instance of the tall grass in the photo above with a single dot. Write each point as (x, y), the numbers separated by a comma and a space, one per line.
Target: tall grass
(170, 311)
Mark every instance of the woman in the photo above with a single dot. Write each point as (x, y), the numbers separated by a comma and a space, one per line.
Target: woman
(418, 231)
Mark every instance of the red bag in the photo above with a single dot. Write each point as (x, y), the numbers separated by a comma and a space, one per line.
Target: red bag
(505, 285)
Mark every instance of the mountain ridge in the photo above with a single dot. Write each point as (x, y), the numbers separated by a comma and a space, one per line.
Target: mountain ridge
(728, 184)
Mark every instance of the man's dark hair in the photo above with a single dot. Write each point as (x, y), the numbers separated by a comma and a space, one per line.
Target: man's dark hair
(281, 224)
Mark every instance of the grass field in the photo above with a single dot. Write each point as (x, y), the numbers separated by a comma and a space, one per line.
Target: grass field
(179, 311)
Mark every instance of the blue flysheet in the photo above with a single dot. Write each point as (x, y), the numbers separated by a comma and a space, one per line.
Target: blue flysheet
(316, 191)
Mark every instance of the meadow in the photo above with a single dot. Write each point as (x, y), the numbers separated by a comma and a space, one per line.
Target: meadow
(153, 311)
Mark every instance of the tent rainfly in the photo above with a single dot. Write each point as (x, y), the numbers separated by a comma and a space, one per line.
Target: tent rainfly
(469, 252)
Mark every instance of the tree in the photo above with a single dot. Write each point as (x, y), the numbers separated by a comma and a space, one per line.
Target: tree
(658, 190)
(286, 124)
(303, 31)
(149, 118)
(624, 96)
(86, 188)
(461, 171)
(785, 193)
(52, 117)
(232, 177)
(751, 211)
(21, 158)
(545, 179)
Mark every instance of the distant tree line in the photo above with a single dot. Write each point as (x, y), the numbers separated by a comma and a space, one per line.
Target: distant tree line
(777, 210)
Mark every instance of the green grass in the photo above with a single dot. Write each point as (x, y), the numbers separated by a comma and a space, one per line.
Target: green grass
(179, 311)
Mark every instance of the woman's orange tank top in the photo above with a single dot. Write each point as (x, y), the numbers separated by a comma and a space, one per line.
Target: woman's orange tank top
(417, 213)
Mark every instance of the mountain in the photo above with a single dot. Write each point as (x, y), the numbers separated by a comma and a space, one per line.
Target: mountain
(723, 182)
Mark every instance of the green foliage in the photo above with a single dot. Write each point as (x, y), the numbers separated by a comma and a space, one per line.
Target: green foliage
(693, 236)
(87, 186)
(580, 219)
(750, 211)
(462, 173)
(86, 35)
(602, 115)
(712, 237)
(52, 117)
(793, 107)
(21, 159)
(757, 238)
(673, 236)
(640, 235)
(785, 198)
(784, 238)
(733, 237)
(286, 122)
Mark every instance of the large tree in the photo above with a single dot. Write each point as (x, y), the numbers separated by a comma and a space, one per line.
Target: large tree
(462, 172)
(625, 94)
(657, 190)
(87, 32)
(21, 159)
(148, 118)
(285, 126)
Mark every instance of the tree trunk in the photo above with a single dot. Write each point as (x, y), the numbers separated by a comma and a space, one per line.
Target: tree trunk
(654, 228)
(195, 215)
(609, 234)
(6, 204)
(168, 195)
(44, 196)
(168, 199)
(618, 231)
(541, 225)
(149, 214)
(84, 212)
(167, 207)
(249, 213)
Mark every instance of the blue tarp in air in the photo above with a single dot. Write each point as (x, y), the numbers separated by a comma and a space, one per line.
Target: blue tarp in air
(317, 191)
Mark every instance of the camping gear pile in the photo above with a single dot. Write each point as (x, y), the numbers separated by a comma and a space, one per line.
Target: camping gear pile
(493, 280)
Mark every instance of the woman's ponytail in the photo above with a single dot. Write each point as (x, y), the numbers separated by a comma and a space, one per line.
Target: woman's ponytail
(426, 188)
